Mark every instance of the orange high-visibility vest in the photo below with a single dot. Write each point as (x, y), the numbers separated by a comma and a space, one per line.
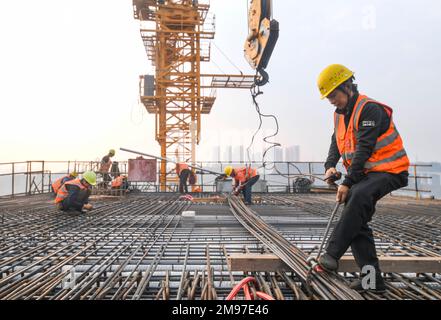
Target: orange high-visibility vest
(63, 193)
(58, 183)
(181, 167)
(244, 174)
(118, 182)
(389, 154)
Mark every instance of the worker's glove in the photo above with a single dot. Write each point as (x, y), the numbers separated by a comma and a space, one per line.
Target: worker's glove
(332, 175)
(236, 191)
(88, 207)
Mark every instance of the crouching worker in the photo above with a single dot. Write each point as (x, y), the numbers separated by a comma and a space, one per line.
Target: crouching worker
(74, 194)
(244, 180)
(59, 182)
(120, 183)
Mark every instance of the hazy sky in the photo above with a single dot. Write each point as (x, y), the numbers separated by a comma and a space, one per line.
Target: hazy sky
(69, 75)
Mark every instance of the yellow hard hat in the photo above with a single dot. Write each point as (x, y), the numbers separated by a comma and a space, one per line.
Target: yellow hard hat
(90, 177)
(112, 152)
(74, 174)
(332, 77)
(228, 171)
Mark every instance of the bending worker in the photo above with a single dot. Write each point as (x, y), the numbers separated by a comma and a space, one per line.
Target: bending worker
(60, 181)
(185, 174)
(372, 150)
(105, 165)
(120, 183)
(75, 194)
(244, 180)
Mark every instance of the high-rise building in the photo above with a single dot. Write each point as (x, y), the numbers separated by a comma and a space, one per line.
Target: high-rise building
(292, 154)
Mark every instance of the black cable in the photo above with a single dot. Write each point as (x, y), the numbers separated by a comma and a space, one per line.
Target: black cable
(255, 93)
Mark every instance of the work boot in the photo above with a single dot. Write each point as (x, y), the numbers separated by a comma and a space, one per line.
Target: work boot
(328, 262)
(380, 286)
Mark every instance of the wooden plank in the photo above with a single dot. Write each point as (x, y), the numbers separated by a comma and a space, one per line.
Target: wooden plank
(271, 263)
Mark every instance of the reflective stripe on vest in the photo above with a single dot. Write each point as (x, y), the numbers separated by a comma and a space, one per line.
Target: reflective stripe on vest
(388, 155)
(63, 193)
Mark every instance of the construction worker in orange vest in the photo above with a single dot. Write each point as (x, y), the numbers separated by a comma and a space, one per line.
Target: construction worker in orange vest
(366, 138)
(75, 194)
(244, 179)
(105, 165)
(120, 182)
(185, 174)
(60, 181)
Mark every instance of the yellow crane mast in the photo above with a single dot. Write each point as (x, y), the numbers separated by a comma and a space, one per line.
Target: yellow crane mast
(177, 34)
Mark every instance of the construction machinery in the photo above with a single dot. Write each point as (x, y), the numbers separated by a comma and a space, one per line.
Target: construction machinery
(177, 35)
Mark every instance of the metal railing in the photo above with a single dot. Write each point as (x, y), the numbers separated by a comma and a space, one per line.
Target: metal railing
(36, 177)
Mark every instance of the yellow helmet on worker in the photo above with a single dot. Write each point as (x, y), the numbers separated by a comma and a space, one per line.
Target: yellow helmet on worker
(90, 177)
(74, 174)
(228, 171)
(332, 77)
(112, 152)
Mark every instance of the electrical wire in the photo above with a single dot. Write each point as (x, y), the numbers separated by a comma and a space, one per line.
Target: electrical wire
(255, 93)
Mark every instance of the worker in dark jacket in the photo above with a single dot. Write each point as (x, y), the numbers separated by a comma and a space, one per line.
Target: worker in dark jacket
(75, 194)
(366, 138)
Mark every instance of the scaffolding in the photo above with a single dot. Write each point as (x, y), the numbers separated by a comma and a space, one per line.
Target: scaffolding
(177, 34)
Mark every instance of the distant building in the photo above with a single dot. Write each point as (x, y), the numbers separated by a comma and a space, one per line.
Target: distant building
(239, 154)
(292, 154)
(278, 155)
(216, 156)
(228, 155)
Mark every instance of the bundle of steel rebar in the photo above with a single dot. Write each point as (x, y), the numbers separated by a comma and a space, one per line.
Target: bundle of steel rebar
(324, 285)
(142, 247)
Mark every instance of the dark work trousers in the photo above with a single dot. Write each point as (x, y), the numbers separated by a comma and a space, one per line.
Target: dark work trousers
(352, 229)
(183, 180)
(247, 191)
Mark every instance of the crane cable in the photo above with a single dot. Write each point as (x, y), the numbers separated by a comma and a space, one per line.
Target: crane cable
(255, 93)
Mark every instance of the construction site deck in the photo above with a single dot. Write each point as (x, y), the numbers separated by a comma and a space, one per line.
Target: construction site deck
(146, 246)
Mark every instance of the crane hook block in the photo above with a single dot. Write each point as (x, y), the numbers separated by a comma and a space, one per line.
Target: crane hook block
(263, 35)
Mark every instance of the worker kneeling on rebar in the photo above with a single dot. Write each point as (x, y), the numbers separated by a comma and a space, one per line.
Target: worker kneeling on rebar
(74, 194)
(244, 180)
(367, 140)
(60, 181)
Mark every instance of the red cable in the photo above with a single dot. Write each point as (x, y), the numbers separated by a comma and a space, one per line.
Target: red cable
(238, 287)
(246, 290)
(248, 296)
